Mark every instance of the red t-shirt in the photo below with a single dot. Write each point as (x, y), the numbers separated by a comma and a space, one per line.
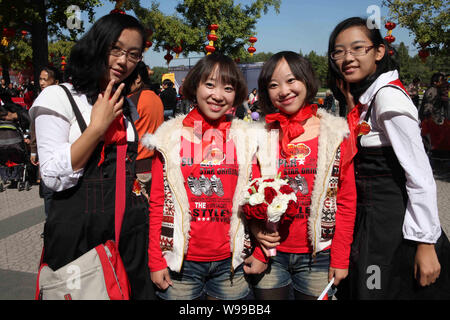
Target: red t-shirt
(209, 234)
(300, 168)
(210, 187)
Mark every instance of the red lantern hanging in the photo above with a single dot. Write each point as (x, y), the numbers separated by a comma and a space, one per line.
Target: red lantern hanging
(212, 37)
(177, 50)
(210, 49)
(213, 27)
(252, 49)
(389, 39)
(390, 25)
(168, 56)
(63, 63)
(148, 42)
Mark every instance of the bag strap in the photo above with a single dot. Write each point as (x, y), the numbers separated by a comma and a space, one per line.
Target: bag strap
(120, 167)
(80, 119)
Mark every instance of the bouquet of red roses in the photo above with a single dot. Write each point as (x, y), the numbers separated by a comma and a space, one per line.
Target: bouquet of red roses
(271, 200)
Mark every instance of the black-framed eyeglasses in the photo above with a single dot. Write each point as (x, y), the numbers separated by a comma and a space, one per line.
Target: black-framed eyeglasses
(354, 51)
(132, 55)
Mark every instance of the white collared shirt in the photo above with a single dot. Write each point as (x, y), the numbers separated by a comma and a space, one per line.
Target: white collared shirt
(394, 122)
(56, 129)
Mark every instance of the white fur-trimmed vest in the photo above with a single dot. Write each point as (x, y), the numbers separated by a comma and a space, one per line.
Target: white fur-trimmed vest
(174, 239)
(321, 222)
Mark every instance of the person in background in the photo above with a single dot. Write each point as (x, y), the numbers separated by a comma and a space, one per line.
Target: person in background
(151, 115)
(168, 97)
(413, 91)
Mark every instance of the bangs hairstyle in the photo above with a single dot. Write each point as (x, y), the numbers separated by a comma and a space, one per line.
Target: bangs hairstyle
(228, 72)
(88, 61)
(301, 69)
(387, 63)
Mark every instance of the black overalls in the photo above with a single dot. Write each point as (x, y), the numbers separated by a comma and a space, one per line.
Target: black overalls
(82, 217)
(381, 260)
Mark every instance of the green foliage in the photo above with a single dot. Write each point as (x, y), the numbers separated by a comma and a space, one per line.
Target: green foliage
(428, 21)
(157, 74)
(320, 66)
(188, 26)
(412, 67)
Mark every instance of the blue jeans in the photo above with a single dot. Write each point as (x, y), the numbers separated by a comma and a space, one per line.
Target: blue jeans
(307, 275)
(211, 278)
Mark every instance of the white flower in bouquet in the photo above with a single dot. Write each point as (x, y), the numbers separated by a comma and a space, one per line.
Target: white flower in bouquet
(276, 209)
(256, 198)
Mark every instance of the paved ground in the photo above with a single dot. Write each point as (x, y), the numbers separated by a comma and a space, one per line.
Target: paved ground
(22, 220)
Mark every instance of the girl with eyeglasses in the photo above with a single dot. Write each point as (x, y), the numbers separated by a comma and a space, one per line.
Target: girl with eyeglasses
(87, 152)
(397, 236)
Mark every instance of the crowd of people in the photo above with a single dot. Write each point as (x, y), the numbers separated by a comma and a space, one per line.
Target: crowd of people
(174, 167)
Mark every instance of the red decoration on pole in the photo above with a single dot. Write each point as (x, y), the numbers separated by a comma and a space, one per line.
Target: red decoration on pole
(389, 37)
(210, 49)
(252, 49)
(177, 50)
(63, 63)
(211, 37)
(168, 56)
(390, 25)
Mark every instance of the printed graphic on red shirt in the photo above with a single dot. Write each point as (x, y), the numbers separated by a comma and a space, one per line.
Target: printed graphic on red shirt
(210, 187)
(299, 168)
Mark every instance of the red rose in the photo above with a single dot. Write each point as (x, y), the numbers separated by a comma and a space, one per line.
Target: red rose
(255, 212)
(269, 194)
(286, 189)
(291, 210)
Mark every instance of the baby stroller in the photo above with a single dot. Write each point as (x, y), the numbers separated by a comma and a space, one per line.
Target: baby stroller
(14, 156)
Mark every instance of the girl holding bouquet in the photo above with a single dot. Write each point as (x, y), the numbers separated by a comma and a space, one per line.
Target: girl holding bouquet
(313, 247)
(197, 241)
(398, 245)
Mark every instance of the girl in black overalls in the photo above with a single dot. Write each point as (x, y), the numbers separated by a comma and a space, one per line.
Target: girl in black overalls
(83, 213)
(399, 250)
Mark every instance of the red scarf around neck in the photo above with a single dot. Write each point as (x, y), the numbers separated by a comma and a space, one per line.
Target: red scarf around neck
(219, 127)
(291, 125)
(218, 132)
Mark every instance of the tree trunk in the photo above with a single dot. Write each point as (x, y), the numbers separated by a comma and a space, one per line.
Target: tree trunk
(39, 41)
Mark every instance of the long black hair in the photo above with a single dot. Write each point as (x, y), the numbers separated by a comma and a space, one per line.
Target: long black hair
(387, 63)
(88, 61)
(302, 70)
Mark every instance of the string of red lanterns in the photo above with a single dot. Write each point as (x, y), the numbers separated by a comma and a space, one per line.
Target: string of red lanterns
(390, 38)
(212, 37)
(252, 49)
